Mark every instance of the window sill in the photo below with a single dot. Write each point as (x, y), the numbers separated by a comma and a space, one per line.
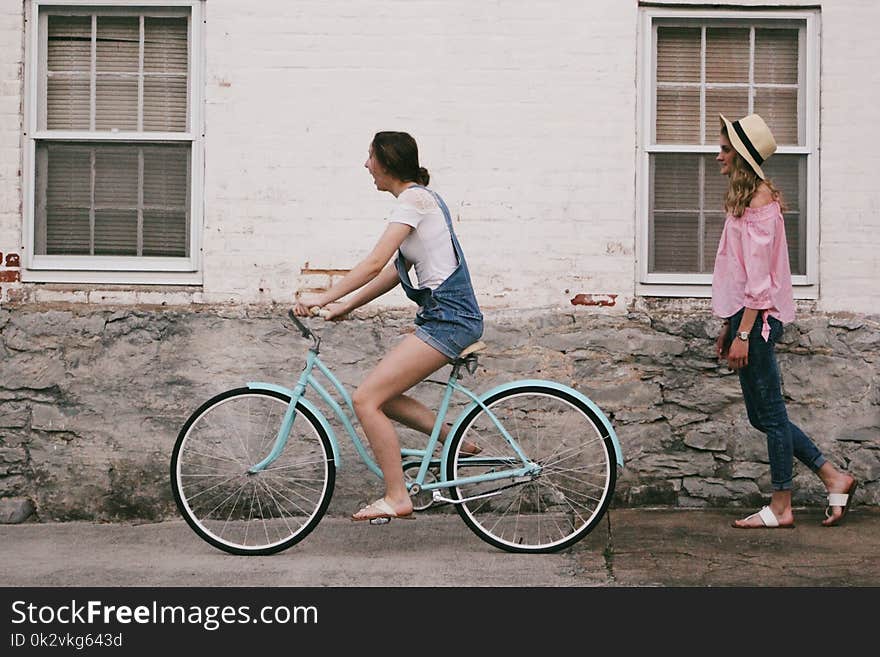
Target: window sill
(112, 277)
(806, 292)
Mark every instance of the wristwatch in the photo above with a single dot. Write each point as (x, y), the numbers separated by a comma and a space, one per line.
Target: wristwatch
(743, 335)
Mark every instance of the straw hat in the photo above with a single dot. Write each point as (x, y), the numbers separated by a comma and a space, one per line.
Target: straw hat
(752, 139)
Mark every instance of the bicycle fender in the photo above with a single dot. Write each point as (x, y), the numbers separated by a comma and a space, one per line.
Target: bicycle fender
(589, 403)
(258, 385)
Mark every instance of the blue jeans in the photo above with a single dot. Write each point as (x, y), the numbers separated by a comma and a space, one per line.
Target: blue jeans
(762, 394)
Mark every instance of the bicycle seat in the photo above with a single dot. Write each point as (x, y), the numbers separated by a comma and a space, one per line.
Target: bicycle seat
(474, 348)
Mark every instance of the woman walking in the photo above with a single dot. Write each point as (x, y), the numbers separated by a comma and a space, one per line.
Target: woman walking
(751, 290)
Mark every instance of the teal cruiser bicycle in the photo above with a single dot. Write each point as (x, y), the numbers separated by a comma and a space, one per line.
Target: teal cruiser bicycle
(253, 468)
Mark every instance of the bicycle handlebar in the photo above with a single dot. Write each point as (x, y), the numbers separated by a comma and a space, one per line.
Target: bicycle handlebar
(315, 311)
(306, 333)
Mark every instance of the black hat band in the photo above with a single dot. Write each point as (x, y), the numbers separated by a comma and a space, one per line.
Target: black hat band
(748, 143)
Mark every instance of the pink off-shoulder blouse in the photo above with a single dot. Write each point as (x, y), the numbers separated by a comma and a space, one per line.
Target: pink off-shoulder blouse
(752, 268)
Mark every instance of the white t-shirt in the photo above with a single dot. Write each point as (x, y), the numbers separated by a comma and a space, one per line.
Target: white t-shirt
(429, 246)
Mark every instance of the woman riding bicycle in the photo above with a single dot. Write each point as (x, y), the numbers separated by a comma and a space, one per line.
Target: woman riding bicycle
(419, 230)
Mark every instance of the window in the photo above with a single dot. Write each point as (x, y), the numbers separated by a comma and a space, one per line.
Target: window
(114, 143)
(696, 65)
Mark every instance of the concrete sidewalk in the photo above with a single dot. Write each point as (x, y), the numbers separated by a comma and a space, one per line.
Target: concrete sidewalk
(631, 548)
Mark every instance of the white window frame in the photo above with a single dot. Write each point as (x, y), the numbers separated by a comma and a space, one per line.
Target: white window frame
(114, 269)
(699, 285)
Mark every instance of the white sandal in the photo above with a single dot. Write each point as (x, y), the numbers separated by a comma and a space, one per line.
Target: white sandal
(840, 499)
(768, 520)
(381, 512)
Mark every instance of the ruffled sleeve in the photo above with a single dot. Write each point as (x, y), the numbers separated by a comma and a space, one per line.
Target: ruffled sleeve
(412, 206)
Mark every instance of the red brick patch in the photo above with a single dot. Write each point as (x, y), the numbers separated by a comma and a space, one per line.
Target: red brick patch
(594, 300)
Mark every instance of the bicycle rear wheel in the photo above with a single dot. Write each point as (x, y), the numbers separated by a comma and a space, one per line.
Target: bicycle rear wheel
(260, 513)
(555, 506)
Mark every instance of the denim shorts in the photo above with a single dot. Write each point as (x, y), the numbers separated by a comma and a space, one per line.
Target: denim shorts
(450, 323)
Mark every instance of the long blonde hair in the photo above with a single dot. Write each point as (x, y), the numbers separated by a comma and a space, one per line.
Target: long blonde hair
(742, 184)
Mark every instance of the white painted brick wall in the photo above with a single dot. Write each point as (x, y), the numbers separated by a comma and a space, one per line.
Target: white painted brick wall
(522, 117)
(11, 53)
(525, 114)
(849, 261)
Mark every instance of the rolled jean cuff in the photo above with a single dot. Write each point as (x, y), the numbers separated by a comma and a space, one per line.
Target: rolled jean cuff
(786, 485)
(817, 463)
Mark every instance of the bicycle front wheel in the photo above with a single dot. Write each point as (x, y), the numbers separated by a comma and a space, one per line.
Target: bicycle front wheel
(251, 513)
(569, 488)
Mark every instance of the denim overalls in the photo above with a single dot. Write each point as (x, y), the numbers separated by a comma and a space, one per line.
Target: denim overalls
(449, 318)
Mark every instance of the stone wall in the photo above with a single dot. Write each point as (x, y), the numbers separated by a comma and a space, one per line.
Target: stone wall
(92, 398)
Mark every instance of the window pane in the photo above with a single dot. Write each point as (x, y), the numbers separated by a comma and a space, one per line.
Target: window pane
(67, 232)
(166, 171)
(117, 99)
(776, 56)
(166, 67)
(675, 213)
(675, 182)
(70, 44)
(164, 233)
(68, 103)
(165, 45)
(118, 46)
(678, 116)
(732, 103)
(727, 55)
(166, 200)
(63, 199)
(116, 200)
(678, 54)
(778, 107)
(68, 64)
(165, 104)
(116, 232)
(675, 242)
(116, 176)
(69, 176)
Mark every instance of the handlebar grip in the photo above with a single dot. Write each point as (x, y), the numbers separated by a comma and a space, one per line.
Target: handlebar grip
(306, 333)
(317, 311)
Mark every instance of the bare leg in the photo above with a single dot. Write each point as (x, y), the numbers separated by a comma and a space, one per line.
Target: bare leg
(403, 367)
(415, 415)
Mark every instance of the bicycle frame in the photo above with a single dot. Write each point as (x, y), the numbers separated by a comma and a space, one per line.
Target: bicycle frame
(308, 380)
